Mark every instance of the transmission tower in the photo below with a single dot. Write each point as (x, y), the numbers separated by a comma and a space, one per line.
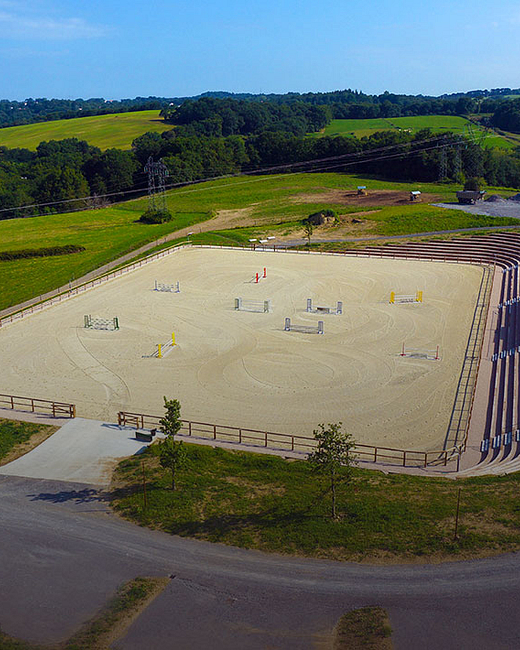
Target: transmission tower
(157, 173)
(443, 162)
(457, 161)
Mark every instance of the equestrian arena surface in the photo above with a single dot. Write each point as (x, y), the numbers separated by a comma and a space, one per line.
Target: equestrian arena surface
(241, 368)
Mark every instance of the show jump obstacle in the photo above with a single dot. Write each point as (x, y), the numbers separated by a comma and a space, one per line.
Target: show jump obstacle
(306, 329)
(318, 309)
(419, 353)
(396, 298)
(164, 348)
(260, 276)
(101, 323)
(261, 306)
(172, 288)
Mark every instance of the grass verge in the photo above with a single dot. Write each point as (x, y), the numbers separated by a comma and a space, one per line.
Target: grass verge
(367, 628)
(18, 438)
(99, 633)
(268, 503)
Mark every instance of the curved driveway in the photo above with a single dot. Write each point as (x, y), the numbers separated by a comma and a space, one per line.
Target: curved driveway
(63, 554)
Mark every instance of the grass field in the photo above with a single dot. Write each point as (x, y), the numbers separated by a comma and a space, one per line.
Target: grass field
(256, 202)
(437, 123)
(271, 504)
(16, 438)
(103, 131)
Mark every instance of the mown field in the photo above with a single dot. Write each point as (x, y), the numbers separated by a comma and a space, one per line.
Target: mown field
(253, 206)
(437, 123)
(268, 503)
(103, 131)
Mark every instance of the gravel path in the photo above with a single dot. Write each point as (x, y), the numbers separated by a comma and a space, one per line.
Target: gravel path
(503, 208)
(63, 556)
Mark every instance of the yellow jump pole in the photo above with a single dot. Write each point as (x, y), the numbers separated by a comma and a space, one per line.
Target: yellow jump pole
(173, 338)
(159, 351)
(392, 297)
(419, 296)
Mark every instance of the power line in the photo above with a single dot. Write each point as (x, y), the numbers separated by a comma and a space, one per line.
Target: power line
(264, 170)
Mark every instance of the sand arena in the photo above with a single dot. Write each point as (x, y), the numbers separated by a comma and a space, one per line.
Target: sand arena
(241, 368)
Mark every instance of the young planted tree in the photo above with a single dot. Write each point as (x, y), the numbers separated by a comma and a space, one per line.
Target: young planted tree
(172, 454)
(309, 229)
(171, 423)
(333, 457)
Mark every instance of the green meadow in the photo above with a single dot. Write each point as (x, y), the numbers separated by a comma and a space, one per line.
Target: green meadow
(437, 123)
(259, 205)
(103, 131)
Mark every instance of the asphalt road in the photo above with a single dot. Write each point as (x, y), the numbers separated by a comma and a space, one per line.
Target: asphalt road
(63, 555)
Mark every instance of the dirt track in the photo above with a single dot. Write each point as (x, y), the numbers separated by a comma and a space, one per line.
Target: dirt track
(374, 197)
(241, 368)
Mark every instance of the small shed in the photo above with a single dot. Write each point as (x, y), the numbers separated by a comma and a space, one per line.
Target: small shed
(415, 195)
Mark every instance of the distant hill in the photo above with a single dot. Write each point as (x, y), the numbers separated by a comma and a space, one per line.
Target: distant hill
(103, 131)
(436, 123)
(346, 103)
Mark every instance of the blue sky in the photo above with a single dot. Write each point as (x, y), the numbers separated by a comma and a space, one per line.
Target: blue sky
(115, 49)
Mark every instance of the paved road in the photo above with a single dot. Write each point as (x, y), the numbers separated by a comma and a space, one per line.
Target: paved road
(81, 450)
(63, 554)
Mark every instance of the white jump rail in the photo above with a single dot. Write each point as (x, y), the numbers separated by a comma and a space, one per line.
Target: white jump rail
(304, 329)
(258, 306)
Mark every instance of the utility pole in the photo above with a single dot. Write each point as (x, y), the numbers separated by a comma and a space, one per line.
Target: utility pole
(157, 173)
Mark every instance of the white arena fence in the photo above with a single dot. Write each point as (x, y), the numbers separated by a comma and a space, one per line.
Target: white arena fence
(260, 306)
(91, 284)
(305, 329)
(319, 309)
(17, 314)
(172, 288)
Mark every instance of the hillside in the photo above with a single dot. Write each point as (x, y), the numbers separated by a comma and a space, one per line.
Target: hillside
(228, 211)
(103, 131)
(437, 123)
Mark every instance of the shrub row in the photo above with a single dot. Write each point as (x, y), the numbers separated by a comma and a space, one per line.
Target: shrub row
(40, 252)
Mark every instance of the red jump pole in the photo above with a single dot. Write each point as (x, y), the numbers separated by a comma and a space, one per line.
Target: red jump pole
(403, 352)
(265, 272)
(437, 353)
(256, 278)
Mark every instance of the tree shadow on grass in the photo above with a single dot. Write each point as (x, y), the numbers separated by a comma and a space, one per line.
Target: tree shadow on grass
(224, 525)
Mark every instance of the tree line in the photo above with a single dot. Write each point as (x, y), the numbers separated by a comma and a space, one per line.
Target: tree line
(346, 103)
(71, 174)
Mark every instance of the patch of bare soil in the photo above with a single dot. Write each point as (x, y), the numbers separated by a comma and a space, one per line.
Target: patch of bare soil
(349, 197)
(238, 218)
(355, 224)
